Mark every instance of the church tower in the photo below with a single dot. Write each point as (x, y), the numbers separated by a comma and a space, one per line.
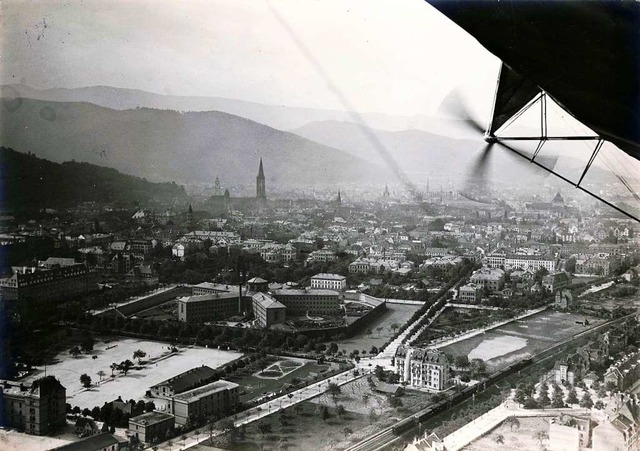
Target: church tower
(261, 192)
(339, 199)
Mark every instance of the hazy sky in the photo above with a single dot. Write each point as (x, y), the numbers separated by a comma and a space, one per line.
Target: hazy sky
(396, 56)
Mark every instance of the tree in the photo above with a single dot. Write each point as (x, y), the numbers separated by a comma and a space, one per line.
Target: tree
(298, 408)
(365, 399)
(324, 413)
(101, 374)
(558, 401)
(85, 380)
(264, 428)
(541, 436)
(373, 416)
(87, 343)
(347, 432)
(512, 422)
(394, 327)
(499, 439)
(379, 330)
(586, 400)
(340, 410)
(75, 351)
(462, 362)
(395, 402)
(139, 354)
(149, 406)
(334, 390)
(572, 398)
(113, 367)
(125, 366)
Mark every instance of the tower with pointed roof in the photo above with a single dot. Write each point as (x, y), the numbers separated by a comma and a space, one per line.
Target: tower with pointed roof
(261, 192)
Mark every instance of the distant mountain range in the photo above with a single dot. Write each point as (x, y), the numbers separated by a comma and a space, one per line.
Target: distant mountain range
(276, 116)
(139, 133)
(422, 154)
(165, 145)
(29, 182)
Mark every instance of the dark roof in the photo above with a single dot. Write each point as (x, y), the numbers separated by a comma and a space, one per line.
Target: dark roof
(93, 443)
(189, 379)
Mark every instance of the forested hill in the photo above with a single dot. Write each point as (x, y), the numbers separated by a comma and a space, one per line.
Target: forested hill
(28, 182)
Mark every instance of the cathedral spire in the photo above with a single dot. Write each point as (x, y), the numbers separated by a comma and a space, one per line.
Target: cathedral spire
(261, 192)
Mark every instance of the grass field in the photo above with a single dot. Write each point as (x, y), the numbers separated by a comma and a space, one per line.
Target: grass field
(305, 429)
(162, 365)
(507, 344)
(395, 313)
(522, 438)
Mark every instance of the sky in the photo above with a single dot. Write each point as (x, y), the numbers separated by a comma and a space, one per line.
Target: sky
(393, 56)
(399, 57)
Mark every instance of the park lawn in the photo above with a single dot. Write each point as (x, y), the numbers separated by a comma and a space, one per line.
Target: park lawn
(161, 365)
(253, 386)
(395, 313)
(522, 438)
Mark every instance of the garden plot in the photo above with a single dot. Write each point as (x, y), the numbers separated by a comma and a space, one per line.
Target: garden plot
(530, 435)
(280, 369)
(158, 365)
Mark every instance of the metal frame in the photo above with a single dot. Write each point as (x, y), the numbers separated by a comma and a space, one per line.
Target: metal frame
(543, 138)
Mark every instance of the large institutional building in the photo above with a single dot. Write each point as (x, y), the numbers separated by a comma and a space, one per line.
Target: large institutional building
(54, 278)
(420, 367)
(324, 281)
(39, 408)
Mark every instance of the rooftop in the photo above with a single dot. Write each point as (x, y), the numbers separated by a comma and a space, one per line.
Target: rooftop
(150, 418)
(189, 378)
(208, 389)
(95, 442)
(328, 276)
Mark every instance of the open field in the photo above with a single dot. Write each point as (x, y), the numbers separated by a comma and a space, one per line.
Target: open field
(395, 313)
(162, 364)
(507, 344)
(522, 438)
(305, 429)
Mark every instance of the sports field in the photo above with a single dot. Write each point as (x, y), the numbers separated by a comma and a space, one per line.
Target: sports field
(520, 339)
(161, 365)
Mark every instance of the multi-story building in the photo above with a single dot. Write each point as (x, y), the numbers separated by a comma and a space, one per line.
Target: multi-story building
(39, 408)
(300, 302)
(556, 281)
(495, 260)
(211, 307)
(625, 372)
(218, 399)
(470, 292)
(192, 378)
(489, 278)
(267, 310)
(532, 262)
(322, 255)
(619, 429)
(325, 281)
(152, 427)
(593, 265)
(49, 281)
(421, 367)
(569, 432)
